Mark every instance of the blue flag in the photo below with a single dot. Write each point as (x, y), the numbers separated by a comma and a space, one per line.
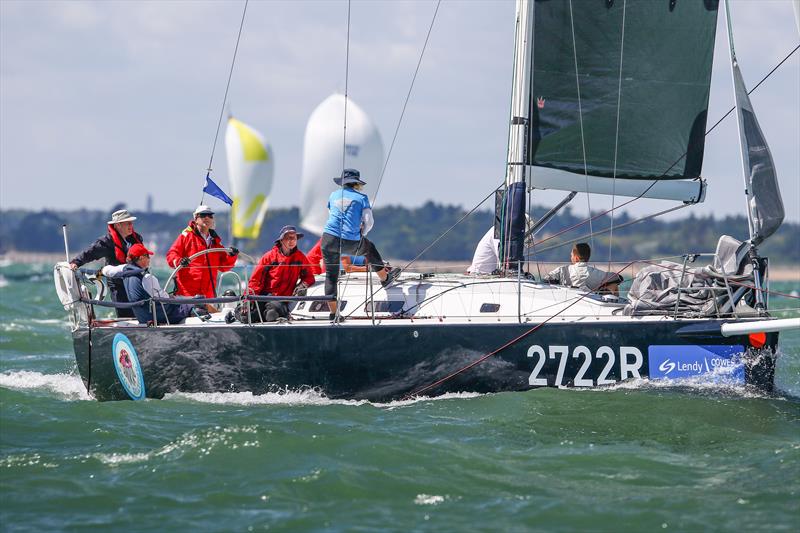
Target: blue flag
(214, 190)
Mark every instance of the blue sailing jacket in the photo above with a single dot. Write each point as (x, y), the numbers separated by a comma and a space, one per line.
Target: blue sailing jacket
(345, 207)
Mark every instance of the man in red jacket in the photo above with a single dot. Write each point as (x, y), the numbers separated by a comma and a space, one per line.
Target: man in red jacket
(199, 276)
(278, 272)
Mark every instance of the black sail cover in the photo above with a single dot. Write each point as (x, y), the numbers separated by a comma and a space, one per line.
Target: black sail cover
(661, 91)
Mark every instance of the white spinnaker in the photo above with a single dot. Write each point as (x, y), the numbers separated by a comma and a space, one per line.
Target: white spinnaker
(796, 6)
(250, 170)
(322, 156)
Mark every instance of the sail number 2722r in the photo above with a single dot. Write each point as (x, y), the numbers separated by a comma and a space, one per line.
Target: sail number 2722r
(603, 360)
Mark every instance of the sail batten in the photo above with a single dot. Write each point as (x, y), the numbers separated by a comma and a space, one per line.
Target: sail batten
(632, 110)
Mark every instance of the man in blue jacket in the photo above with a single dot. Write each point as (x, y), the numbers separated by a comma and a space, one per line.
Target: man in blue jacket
(140, 285)
(349, 221)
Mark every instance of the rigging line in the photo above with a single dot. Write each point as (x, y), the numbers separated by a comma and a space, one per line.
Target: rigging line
(641, 219)
(677, 160)
(225, 97)
(757, 85)
(440, 237)
(616, 133)
(344, 153)
(457, 222)
(501, 348)
(580, 121)
(408, 96)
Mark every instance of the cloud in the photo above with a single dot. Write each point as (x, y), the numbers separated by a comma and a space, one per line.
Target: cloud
(109, 101)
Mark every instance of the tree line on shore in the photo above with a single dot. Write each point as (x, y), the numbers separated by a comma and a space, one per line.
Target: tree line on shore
(402, 233)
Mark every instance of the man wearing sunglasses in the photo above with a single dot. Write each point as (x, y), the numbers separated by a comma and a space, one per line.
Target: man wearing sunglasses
(199, 276)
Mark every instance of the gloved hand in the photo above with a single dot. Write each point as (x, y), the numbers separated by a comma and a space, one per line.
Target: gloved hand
(234, 251)
(184, 261)
(301, 290)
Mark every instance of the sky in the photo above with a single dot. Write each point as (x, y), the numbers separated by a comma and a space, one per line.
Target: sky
(107, 102)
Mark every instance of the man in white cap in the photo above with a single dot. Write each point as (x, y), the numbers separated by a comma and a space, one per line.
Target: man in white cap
(113, 247)
(199, 276)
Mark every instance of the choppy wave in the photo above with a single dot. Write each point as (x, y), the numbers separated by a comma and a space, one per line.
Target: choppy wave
(67, 386)
(203, 442)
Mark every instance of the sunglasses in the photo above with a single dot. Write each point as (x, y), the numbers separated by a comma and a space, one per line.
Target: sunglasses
(206, 215)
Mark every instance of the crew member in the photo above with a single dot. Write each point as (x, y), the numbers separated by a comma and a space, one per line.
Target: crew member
(349, 221)
(199, 276)
(282, 271)
(140, 284)
(486, 259)
(113, 247)
(584, 276)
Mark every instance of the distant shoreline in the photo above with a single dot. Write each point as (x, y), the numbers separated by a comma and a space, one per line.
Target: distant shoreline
(777, 272)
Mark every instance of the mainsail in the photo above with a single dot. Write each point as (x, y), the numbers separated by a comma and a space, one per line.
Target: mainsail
(619, 89)
(250, 170)
(322, 156)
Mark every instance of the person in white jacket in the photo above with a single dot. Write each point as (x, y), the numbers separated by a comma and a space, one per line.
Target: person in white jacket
(581, 275)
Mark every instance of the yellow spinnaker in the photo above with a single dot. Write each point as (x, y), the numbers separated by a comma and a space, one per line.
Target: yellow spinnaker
(250, 171)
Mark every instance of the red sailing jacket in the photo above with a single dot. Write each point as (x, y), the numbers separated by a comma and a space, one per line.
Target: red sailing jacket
(277, 274)
(315, 258)
(200, 277)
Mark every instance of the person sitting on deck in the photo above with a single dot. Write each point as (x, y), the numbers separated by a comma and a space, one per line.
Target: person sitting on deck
(113, 247)
(140, 285)
(581, 275)
(282, 271)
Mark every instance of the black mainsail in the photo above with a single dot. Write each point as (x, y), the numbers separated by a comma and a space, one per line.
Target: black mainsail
(620, 88)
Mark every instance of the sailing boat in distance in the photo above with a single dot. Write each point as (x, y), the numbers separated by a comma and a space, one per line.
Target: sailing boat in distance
(322, 156)
(251, 166)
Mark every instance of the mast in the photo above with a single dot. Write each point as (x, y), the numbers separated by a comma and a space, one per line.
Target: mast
(513, 210)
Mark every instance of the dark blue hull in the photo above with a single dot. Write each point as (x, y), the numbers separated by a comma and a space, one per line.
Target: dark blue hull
(389, 362)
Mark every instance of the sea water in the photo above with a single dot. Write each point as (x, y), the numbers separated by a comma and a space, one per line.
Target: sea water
(641, 456)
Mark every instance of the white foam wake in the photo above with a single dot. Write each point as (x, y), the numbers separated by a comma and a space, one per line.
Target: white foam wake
(300, 397)
(67, 386)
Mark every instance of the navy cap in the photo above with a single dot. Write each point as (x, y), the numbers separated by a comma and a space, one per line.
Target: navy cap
(288, 229)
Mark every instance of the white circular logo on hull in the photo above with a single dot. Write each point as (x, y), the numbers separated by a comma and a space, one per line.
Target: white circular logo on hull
(126, 363)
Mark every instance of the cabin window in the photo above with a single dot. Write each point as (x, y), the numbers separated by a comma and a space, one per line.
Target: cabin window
(490, 308)
(392, 306)
(301, 305)
(317, 306)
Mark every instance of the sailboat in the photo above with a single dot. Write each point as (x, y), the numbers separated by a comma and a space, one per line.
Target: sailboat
(599, 105)
(322, 155)
(251, 166)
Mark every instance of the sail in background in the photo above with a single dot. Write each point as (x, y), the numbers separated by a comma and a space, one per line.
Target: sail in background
(322, 156)
(250, 170)
(586, 118)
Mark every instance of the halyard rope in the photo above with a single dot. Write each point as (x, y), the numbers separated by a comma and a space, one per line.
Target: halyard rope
(225, 97)
(405, 103)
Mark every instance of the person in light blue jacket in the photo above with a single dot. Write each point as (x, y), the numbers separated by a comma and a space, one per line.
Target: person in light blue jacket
(349, 221)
